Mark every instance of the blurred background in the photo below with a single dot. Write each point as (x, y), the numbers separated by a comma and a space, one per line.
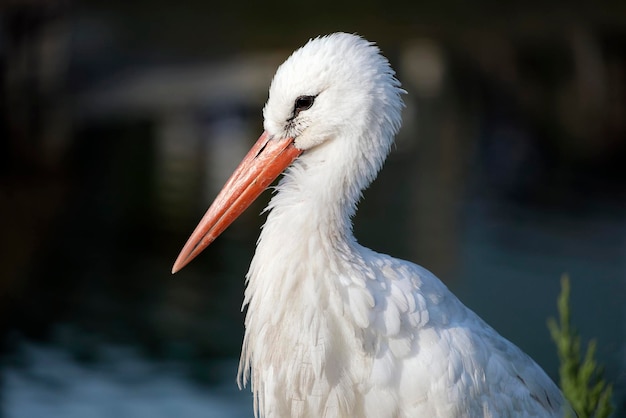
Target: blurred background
(120, 121)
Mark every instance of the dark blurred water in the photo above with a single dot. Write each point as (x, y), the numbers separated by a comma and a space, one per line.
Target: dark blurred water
(121, 385)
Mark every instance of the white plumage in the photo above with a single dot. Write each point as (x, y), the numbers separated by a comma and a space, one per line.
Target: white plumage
(334, 329)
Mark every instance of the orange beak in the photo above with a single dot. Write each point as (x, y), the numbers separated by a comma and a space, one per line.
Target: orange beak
(265, 161)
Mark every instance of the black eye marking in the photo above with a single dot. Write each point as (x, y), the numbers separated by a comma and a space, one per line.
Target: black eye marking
(302, 103)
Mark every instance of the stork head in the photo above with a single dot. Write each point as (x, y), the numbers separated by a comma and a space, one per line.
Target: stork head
(333, 87)
(336, 100)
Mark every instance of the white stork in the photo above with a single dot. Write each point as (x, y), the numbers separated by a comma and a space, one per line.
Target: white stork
(334, 329)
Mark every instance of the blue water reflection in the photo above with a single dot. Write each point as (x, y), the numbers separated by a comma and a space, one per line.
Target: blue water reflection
(121, 384)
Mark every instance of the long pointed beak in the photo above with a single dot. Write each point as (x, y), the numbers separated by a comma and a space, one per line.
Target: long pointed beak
(265, 161)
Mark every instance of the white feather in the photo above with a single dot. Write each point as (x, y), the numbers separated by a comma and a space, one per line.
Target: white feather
(334, 329)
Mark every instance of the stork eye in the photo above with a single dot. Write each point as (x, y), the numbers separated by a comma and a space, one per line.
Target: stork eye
(303, 103)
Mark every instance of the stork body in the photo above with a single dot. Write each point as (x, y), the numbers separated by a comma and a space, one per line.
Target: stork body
(334, 329)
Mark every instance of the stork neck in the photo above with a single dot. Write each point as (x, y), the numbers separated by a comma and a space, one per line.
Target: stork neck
(310, 198)
(303, 215)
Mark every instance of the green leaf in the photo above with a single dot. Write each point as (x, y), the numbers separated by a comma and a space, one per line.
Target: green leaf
(581, 380)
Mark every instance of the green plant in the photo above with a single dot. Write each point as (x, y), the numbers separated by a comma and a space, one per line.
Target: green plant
(581, 379)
